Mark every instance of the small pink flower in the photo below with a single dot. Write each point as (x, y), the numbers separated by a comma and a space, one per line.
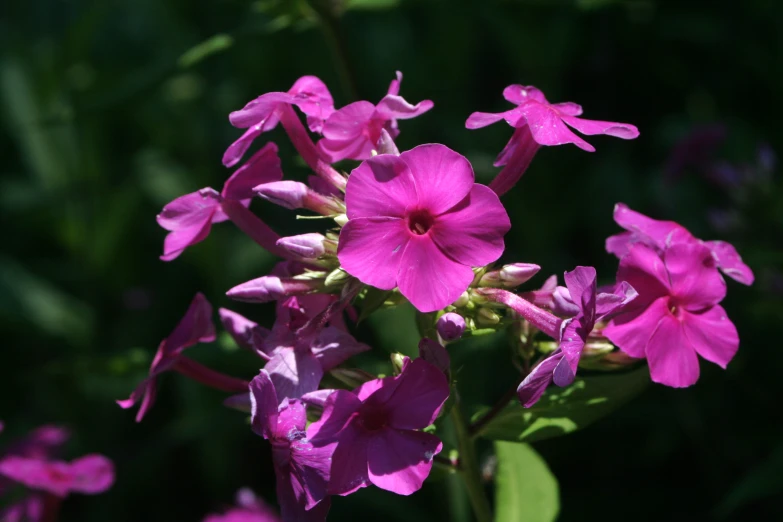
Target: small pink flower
(537, 122)
(264, 113)
(374, 430)
(418, 221)
(249, 508)
(354, 131)
(189, 218)
(659, 235)
(676, 315)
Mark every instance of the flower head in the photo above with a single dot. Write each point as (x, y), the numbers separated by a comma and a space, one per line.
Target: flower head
(353, 131)
(263, 114)
(537, 122)
(301, 469)
(374, 430)
(676, 315)
(418, 221)
(189, 218)
(659, 235)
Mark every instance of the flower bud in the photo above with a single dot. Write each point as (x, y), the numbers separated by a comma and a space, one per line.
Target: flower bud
(305, 246)
(462, 300)
(451, 326)
(399, 361)
(336, 278)
(341, 219)
(509, 276)
(293, 195)
(272, 288)
(435, 354)
(487, 317)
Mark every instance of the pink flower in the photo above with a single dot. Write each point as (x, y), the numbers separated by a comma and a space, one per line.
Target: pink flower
(418, 221)
(560, 367)
(301, 469)
(189, 218)
(353, 131)
(676, 315)
(264, 113)
(537, 122)
(374, 429)
(249, 508)
(659, 235)
(195, 327)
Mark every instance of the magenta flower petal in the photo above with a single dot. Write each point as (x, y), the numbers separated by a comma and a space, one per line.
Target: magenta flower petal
(444, 279)
(671, 357)
(371, 249)
(260, 111)
(92, 474)
(472, 232)
(520, 94)
(535, 384)
(435, 354)
(548, 128)
(730, 262)
(349, 121)
(262, 167)
(246, 333)
(294, 372)
(645, 271)
(652, 232)
(395, 107)
(631, 332)
(400, 460)
(310, 470)
(314, 99)
(339, 408)
(443, 177)
(478, 120)
(263, 405)
(712, 335)
(349, 463)
(695, 282)
(333, 346)
(236, 150)
(382, 186)
(591, 127)
(574, 109)
(177, 241)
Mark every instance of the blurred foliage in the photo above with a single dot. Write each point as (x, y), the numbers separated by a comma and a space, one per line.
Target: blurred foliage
(111, 109)
(526, 489)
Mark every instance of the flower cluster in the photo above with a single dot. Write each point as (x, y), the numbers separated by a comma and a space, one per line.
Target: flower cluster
(33, 464)
(415, 226)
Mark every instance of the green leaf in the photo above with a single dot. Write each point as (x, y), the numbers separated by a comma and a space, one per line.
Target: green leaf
(564, 410)
(371, 4)
(372, 300)
(197, 53)
(526, 490)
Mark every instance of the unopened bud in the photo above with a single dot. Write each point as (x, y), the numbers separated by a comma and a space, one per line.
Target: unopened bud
(353, 377)
(272, 288)
(451, 326)
(463, 300)
(336, 278)
(509, 276)
(305, 246)
(399, 361)
(487, 317)
(341, 219)
(435, 354)
(293, 195)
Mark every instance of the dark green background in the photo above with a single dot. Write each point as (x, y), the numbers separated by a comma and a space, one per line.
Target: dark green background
(103, 123)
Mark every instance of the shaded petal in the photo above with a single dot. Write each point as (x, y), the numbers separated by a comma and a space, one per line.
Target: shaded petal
(340, 407)
(632, 331)
(359, 148)
(428, 278)
(310, 468)
(582, 288)
(294, 373)
(572, 342)
(619, 244)
(371, 250)
(382, 186)
(696, 282)
(236, 150)
(548, 129)
(436, 354)
(535, 384)
(712, 335)
(52, 476)
(478, 120)
(246, 333)
(472, 232)
(333, 346)
(349, 463)
(314, 99)
(516, 156)
(730, 262)
(671, 356)
(291, 421)
(195, 327)
(607, 303)
(644, 269)
(400, 460)
(263, 405)
(442, 177)
(395, 107)
(262, 167)
(178, 240)
(292, 509)
(625, 131)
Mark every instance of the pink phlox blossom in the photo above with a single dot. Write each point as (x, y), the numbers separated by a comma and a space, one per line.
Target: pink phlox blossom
(189, 218)
(676, 315)
(91, 474)
(374, 430)
(249, 508)
(301, 469)
(537, 122)
(419, 221)
(195, 327)
(263, 114)
(660, 235)
(588, 305)
(353, 131)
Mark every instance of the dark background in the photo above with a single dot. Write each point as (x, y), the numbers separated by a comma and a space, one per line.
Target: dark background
(104, 121)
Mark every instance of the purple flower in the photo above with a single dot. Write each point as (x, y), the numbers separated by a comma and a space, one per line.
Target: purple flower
(676, 315)
(560, 367)
(660, 235)
(353, 131)
(374, 428)
(265, 112)
(451, 326)
(301, 469)
(537, 122)
(246, 333)
(189, 218)
(249, 508)
(418, 221)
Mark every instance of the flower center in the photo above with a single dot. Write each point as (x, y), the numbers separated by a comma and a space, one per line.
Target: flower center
(420, 221)
(373, 419)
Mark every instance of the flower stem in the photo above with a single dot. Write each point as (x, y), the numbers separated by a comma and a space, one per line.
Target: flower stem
(475, 428)
(469, 468)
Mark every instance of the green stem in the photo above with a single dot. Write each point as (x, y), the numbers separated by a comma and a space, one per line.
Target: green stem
(469, 468)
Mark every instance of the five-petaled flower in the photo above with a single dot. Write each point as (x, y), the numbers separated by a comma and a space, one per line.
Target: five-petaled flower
(420, 222)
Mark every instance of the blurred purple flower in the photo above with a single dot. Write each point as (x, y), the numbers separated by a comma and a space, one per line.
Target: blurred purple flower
(249, 508)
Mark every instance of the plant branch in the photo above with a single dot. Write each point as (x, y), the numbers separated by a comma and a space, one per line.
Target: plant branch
(469, 468)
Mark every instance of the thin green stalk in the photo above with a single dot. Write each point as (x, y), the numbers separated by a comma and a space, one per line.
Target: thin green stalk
(469, 468)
